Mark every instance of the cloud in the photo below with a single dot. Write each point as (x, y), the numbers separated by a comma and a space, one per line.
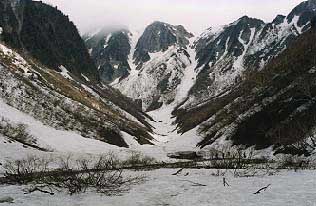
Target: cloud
(195, 15)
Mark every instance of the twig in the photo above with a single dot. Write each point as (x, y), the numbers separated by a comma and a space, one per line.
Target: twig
(195, 183)
(39, 190)
(225, 182)
(178, 172)
(262, 189)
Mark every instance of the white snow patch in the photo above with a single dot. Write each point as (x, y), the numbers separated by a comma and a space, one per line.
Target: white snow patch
(64, 72)
(294, 22)
(239, 62)
(116, 66)
(85, 77)
(107, 39)
(17, 59)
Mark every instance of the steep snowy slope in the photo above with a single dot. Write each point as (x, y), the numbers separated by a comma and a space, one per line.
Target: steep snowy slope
(57, 100)
(275, 106)
(246, 45)
(221, 57)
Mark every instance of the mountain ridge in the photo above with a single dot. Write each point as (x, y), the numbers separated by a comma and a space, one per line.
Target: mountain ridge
(222, 60)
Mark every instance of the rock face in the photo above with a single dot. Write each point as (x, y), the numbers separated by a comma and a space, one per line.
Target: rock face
(46, 34)
(148, 68)
(157, 37)
(110, 51)
(6, 200)
(221, 56)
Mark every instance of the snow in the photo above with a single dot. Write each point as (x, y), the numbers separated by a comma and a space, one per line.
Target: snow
(48, 137)
(90, 51)
(238, 64)
(64, 72)
(8, 151)
(17, 60)
(86, 78)
(212, 32)
(189, 77)
(107, 39)
(116, 66)
(69, 142)
(142, 84)
(133, 39)
(161, 188)
(295, 21)
(1, 30)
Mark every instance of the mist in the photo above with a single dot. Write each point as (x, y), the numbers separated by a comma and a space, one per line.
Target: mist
(195, 15)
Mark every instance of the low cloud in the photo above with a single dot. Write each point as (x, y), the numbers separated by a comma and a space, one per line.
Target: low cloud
(195, 15)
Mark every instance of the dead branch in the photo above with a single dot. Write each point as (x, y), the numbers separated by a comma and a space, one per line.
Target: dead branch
(195, 183)
(39, 190)
(225, 182)
(262, 189)
(178, 172)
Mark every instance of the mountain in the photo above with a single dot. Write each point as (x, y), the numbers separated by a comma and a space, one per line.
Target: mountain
(48, 76)
(46, 34)
(275, 106)
(186, 81)
(222, 104)
(110, 49)
(147, 67)
(159, 37)
(221, 65)
(221, 55)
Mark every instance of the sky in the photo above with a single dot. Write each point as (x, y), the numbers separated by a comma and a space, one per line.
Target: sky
(195, 15)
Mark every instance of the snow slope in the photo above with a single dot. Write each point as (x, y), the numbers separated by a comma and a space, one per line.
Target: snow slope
(67, 142)
(48, 137)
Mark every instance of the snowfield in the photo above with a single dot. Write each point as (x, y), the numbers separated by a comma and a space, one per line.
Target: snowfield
(68, 142)
(288, 188)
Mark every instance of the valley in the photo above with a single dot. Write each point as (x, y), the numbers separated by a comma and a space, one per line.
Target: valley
(158, 116)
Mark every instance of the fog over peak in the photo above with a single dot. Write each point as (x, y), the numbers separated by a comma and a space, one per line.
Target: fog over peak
(195, 15)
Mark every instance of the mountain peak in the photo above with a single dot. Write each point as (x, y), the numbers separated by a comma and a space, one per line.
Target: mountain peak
(159, 36)
(246, 19)
(278, 19)
(159, 23)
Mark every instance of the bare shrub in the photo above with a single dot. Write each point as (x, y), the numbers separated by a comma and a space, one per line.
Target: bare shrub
(138, 159)
(103, 175)
(17, 132)
(293, 162)
(22, 171)
(219, 173)
(255, 171)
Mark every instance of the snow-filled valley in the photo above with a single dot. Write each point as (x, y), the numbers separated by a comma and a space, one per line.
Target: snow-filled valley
(158, 116)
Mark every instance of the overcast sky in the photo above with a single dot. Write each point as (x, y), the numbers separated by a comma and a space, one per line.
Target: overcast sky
(195, 15)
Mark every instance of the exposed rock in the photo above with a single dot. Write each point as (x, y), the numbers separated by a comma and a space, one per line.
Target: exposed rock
(46, 34)
(6, 199)
(190, 155)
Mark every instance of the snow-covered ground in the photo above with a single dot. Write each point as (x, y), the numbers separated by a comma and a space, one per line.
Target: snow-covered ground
(68, 142)
(288, 188)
